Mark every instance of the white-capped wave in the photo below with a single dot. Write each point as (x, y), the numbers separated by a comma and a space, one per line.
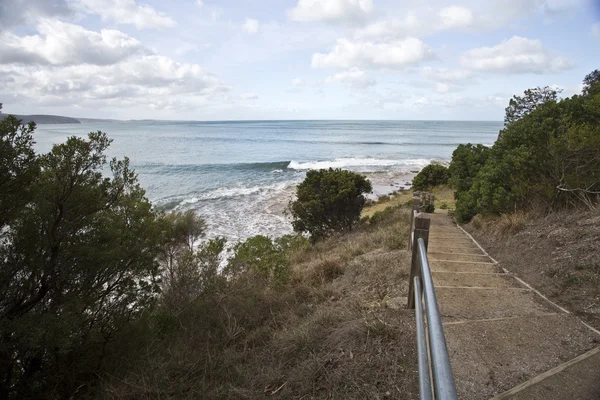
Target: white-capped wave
(234, 192)
(371, 164)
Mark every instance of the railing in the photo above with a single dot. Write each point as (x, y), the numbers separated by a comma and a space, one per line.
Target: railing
(431, 341)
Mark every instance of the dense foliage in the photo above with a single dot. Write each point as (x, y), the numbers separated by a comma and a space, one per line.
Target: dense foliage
(77, 260)
(546, 157)
(328, 201)
(431, 175)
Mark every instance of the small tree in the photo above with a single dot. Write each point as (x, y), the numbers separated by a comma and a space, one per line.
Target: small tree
(431, 175)
(328, 201)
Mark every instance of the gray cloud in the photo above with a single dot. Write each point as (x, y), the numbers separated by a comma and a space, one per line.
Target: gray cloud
(19, 12)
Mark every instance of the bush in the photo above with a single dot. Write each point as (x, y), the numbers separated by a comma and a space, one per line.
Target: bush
(429, 208)
(546, 157)
(431, 175)
(328, 201)
(260, 255)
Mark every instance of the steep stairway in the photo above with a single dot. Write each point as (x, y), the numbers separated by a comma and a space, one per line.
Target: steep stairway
(505, 340)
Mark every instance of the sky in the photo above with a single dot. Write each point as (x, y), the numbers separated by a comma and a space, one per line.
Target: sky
(290, 59)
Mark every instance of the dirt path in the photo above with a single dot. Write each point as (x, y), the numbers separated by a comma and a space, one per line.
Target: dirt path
(502, 334)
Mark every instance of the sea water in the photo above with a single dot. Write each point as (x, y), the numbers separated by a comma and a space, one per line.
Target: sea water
(241, 175)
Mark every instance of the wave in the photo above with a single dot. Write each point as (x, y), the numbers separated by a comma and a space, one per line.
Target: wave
(361, 163)
(173, 168)
(223, 193)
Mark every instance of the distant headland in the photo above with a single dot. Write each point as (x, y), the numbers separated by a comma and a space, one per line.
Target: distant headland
(44, 119)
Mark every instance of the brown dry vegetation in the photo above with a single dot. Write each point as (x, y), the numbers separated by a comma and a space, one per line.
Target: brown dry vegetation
(337, 330)
(443, 195)
(558, 254)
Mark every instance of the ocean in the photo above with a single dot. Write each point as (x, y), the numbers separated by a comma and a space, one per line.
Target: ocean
(241, 175)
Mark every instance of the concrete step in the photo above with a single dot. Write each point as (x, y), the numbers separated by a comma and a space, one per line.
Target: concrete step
(459, 303)
(450, 248)
(457, 256)
(576, 379)
(491, 357)
(474, 280)
(457, 266)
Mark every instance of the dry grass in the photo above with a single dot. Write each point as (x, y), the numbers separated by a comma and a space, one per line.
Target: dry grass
(444, 195)
(338, 330)
(557, 253)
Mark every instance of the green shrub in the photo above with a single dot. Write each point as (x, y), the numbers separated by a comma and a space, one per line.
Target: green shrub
(444, 206)
(431, 175)
(429, 208)
(259, 254)
(328, 201)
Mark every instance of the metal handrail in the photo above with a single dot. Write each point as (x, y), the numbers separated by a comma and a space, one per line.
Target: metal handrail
(443, 380)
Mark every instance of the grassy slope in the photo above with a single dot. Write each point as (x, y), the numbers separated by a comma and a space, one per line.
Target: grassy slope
(558, 254)
(443, 195)
(338, 330)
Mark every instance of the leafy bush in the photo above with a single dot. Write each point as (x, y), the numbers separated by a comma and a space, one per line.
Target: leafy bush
(431, 175)
(260, 255)
(78, 260)
(466, 162)
(429, 208)
(328, 201)
(547, 156)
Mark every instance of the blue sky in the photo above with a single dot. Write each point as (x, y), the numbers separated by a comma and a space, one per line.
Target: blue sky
(292, 59)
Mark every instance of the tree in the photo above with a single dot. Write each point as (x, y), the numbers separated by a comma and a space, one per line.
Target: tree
(591, 83)
(328, 201)
(431, 175)
(519, 106)
(466, 162)
(77, 262)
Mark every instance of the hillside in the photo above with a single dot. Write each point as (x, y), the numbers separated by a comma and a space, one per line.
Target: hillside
(339, 329)
(558, 254)
(45, 119)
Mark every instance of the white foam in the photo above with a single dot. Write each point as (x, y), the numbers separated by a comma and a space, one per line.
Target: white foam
(235, 192)
(374, 163)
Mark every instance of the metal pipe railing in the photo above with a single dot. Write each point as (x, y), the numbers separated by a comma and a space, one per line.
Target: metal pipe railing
(423, 357)
(443, 380)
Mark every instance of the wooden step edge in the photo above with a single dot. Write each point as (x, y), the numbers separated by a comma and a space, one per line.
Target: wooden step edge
(539, 378)
(469, 321)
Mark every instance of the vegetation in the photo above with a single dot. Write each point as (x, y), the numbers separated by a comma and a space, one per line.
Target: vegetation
(77, 260)
(547, 156)
(328, 201)
(430, 176)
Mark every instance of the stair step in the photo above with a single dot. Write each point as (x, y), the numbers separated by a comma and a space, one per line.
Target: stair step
(491, 357)
(575, 380)
(436, 248)
(457, 256)
(457, 266)
(474, 280)
(457, 304)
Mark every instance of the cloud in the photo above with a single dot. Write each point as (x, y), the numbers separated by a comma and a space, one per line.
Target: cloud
(298, 82)
(446, 75)
(61, 43)
(513, 56)
(334, 11)
(126, 12)
(145, 79)
(396, 54)
(447, 18)
(251, 26)
(17, 12)
(200, 3)
(596, 29)
(249, 96)
(353, 78)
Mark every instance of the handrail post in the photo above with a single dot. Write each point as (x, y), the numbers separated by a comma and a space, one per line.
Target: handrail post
(422, 223)
(415, 207)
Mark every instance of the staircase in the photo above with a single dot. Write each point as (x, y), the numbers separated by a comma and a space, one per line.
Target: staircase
(505, 340)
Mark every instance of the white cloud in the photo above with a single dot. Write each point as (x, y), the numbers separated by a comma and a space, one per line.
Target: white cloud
(337, 11)
(298, 82)
(354, 78)
(596, 29)
(447, 18)
(200, 3)
(513, 56)
(127, 12)
(14, 12)
(61, 43)
(396, 54)
(251, 26)
(249, 96)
